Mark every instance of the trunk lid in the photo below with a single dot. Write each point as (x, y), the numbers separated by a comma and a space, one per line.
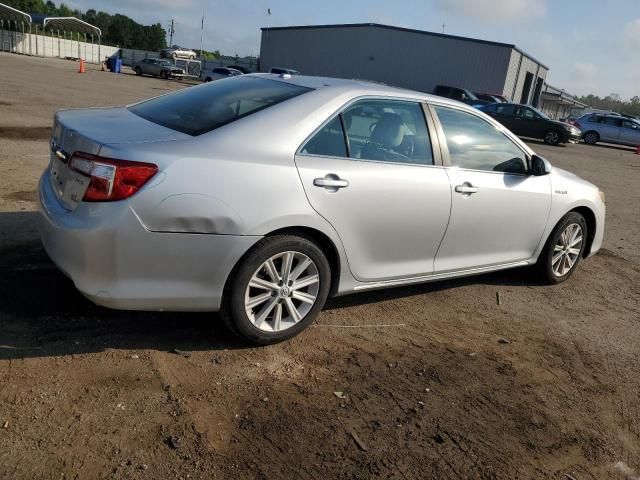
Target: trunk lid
(87, 131)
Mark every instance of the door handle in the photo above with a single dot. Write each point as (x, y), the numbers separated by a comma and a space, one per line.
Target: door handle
(331, 182)
(466, 189)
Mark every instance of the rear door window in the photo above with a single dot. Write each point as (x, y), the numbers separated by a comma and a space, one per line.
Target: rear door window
(383, 130)
(329, 141)
(508, 110)
(197, 110)
(388, 130)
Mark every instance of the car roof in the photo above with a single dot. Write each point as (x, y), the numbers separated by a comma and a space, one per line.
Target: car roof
(359, 87)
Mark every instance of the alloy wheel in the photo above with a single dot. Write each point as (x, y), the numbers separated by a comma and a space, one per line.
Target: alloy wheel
(591, 138)
(552, 137)
(567, 250)
(282, 291)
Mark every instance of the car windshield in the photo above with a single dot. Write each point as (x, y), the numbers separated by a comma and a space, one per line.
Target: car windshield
(198, 110)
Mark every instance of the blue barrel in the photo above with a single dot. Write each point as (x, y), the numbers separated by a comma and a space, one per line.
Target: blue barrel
(118, 66)
(111, 63)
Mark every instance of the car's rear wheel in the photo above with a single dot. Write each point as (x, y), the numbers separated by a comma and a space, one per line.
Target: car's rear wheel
(164, 74)
(277, 290)
(552, 137)
(564, 249)
(591, 137)
(138, 70)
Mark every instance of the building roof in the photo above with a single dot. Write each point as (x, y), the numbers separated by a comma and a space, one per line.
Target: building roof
(69, 24)
(411, 30)
(13, 14)
(557, 94)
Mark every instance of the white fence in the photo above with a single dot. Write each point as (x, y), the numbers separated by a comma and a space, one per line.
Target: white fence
(60, 47)
(42, 46)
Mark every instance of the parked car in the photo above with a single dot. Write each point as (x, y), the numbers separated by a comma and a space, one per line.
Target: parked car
(218, 73)
(261, 196)
(460, 94)
(491, 97)
(526, 121)
(158, 68)
(178, 52)
(281, 71)
(610, 129)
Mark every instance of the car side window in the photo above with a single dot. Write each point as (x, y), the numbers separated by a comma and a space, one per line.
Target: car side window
(329, 141)
(629, 124)
(595, 119)
(476, 144)
(389, 131)
(509, 110)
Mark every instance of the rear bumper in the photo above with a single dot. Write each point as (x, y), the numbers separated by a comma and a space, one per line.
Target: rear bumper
(115, 262)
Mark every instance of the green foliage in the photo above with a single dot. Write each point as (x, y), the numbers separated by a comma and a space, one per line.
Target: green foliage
(116, 29)
(614, 103)
(210, 55)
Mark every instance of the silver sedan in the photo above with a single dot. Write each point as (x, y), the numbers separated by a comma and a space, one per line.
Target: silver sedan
(261, 195)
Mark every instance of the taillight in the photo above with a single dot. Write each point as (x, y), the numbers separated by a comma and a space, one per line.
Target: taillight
(111, 179)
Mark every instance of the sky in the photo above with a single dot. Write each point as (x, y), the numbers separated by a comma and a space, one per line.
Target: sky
(590, 46)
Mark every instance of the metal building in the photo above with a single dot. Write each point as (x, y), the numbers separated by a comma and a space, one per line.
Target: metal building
(404, 57)
(558, 104)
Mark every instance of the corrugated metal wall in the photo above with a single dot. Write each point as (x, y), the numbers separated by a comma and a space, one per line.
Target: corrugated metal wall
(401, 58)
(519, 66)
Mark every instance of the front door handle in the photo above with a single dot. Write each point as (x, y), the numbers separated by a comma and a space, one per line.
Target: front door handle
(466, 188)
(331, 182)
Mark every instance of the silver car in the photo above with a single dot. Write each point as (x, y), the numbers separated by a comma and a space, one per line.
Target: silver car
(178, 52)
(610, 129)
(158, 68)
(218, 73)
(261, 195)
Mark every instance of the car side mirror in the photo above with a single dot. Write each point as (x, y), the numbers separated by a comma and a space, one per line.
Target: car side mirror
(539, 166)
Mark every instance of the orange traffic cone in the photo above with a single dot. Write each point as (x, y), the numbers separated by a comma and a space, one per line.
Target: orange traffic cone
(81, 69)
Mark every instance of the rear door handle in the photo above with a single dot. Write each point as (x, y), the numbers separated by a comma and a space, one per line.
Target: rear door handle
(466, 189)
(331, 182)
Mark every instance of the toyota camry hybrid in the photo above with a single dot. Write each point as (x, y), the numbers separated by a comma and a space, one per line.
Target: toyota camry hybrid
(261, 195)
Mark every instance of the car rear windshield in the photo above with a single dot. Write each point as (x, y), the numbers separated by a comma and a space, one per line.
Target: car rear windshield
(198, 110)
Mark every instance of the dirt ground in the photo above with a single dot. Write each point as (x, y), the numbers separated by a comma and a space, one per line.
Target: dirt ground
(543, 385)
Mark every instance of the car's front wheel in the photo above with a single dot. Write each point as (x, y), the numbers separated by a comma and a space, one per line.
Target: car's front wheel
(277, 290)
(591, 137)
(564, 249)
(164, 74)
(138, 71)
(552, 137)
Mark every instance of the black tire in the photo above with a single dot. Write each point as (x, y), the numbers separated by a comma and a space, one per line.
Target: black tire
(591, 137)
(138, 71)
(164, 74)
(545, 262)
(552, 137)
(233, 304)
(207, 80)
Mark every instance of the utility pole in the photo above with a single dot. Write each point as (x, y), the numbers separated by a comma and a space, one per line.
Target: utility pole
(201, 34)
(171, 32)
